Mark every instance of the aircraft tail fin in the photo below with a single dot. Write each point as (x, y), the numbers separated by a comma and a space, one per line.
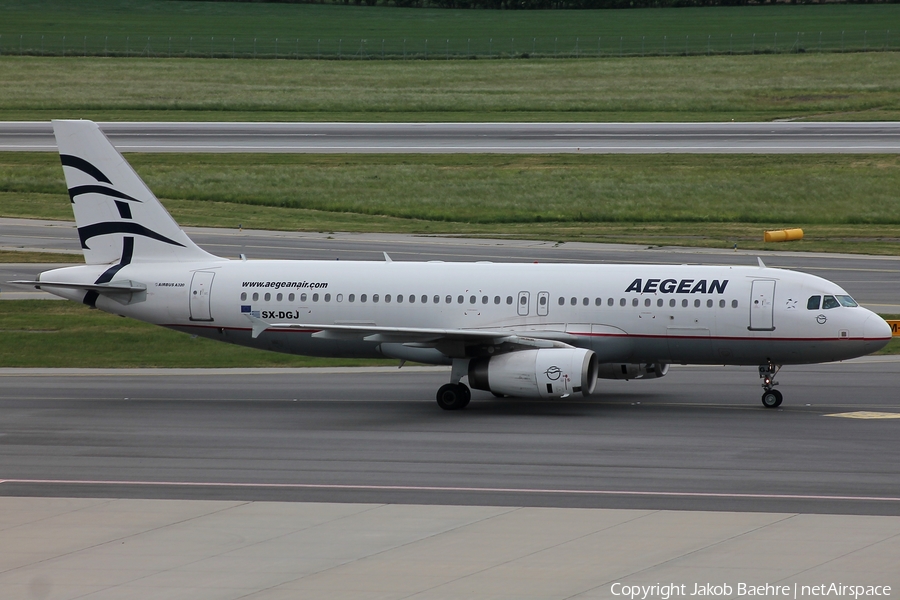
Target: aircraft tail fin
(118, 217)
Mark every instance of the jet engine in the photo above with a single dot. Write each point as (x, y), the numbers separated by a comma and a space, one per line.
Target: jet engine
(632, 371)
(541, 373)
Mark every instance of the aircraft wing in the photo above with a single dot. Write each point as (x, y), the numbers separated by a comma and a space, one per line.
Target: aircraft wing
(421, 336)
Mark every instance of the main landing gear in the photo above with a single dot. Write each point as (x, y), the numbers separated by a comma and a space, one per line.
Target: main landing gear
(771, 397)
(455, 395)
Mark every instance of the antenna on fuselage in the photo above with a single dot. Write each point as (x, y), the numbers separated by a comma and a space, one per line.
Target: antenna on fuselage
(762, 265)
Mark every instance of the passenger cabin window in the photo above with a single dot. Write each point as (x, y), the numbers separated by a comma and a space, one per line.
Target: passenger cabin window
(243, 295)
(268, 296)
(290, 297)
(598, 301)
(279, 296)
(830, 302)
(302, 297)
(813, 303)
(562, 300)
(509, 300)
(497, 300)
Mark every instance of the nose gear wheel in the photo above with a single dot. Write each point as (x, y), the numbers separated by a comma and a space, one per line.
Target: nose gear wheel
(771, 397)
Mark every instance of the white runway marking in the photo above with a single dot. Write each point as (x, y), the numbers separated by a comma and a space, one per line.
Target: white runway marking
(419, 488)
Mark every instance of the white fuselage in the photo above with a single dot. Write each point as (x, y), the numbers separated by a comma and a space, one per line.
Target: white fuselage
(624, 313)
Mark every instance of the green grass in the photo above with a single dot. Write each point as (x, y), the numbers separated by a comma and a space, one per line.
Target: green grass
(42, 333)
(862, 86)
(844, 203)
(160, 27)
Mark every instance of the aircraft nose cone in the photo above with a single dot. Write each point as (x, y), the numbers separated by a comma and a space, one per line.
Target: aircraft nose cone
(876, 332)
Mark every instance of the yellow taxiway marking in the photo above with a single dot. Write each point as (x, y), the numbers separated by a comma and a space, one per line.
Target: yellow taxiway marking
(866, 414)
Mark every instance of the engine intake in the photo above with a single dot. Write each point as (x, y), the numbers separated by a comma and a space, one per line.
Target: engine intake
(632, 371)
(541, 373)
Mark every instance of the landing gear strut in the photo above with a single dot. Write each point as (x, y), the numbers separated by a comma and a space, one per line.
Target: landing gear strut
(771, 397)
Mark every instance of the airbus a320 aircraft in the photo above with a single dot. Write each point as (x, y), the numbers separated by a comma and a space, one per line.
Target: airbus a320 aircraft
(522, 330)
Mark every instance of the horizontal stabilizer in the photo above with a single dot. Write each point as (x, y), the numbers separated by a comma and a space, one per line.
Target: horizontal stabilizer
(113, 287)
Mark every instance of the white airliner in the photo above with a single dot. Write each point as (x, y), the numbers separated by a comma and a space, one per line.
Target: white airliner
(522, 330)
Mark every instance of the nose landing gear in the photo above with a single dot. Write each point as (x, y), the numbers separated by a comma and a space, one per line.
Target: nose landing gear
(771, 397)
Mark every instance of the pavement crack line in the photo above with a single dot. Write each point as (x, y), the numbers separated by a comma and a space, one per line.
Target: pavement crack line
(230, 550)
(97, 503)
(686, 554)
(845, 554)
(534, 553)
(380, 552)
(120, 539)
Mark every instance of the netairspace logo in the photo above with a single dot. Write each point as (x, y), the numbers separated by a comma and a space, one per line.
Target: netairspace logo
(666, 591)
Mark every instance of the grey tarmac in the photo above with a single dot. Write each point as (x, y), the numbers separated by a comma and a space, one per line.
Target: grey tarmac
(697, 439)
(101, 549)
(602, 138)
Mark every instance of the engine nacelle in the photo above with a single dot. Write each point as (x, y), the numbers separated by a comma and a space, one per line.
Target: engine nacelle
(541, 373)
(632, 371)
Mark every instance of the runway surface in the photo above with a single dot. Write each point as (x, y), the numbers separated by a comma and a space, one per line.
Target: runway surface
(779, 137)
(697, 439)
(872, 280)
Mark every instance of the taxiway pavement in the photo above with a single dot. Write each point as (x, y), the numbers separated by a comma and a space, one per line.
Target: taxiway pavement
(638, 138)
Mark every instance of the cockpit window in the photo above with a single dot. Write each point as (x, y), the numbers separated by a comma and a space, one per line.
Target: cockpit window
(813, 302)
(830, 302)
(847, 301)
